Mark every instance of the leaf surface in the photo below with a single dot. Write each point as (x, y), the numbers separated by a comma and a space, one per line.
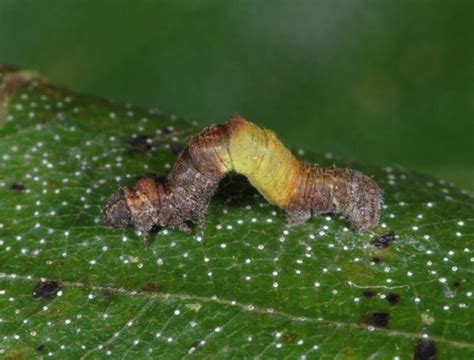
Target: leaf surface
(247, 286)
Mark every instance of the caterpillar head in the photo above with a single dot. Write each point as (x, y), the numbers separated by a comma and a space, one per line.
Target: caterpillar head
(139, 205)
(116, 212)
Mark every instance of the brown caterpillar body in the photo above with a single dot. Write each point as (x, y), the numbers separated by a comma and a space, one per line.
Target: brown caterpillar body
(301, 189)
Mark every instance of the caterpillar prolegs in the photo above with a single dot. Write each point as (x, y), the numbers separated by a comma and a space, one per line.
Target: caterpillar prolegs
(299, 188)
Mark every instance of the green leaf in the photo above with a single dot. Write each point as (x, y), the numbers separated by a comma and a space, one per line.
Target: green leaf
(248, 286)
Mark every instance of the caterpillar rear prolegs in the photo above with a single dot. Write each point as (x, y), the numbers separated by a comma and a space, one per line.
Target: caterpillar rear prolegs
(301, 189)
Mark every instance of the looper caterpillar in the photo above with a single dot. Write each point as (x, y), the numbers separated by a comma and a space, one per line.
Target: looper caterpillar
(241, 146)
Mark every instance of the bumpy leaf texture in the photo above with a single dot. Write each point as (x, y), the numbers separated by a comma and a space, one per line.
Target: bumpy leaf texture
(246, 286)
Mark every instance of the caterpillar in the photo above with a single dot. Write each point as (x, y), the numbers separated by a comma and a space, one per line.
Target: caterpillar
(299, 188)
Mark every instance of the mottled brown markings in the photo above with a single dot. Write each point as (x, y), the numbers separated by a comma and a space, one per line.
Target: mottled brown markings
(46, 289)
(139, 143)
(369, 293)
(376, 319)
(154, 176)
(239, 145)
(425, 349)
(384, 241)
(392, 298)
(18, 187)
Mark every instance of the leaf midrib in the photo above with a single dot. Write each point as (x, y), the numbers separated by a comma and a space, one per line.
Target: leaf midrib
(243, 307)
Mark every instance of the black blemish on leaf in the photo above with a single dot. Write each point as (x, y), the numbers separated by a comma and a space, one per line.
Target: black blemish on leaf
(18, 187)
(425, 349)
(107, 292)
(108, 295)
(393, 298)
(376, 319)
(46, 290)
(176, 148)
(151, 288)
(139, 143)
(369, 293)
(196, 345)
(456, 284)
(40, 349)
(51, 183)
(376, 260)
(384, 241)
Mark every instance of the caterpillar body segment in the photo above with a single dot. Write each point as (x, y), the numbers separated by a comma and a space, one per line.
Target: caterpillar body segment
(268, 165)
(301, 189)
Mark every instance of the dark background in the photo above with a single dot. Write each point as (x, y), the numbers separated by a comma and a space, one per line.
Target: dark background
(381, 82)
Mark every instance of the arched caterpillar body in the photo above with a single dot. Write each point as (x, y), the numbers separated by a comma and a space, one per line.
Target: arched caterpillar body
(241, 146)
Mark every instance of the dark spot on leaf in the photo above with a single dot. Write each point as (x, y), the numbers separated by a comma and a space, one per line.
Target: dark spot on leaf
(176, 148)
(151, 287)
(376, 260)
(288, 338)
(46, 289)
(376, 319)
(384, 241)
(107, 292)
(425, 349)
(456, 284)
(40, 349)
(369, 293)
(140, 143)
(52, 183)
(18, 187)
(393, 298)
(108, 295)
